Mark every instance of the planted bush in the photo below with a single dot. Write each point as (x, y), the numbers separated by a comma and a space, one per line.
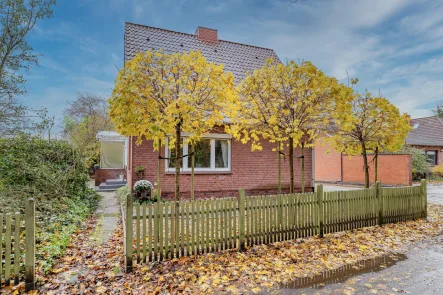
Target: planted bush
(54, 174)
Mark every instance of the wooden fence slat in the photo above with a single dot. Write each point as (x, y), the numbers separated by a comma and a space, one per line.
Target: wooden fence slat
(188, 234)
(29, 245)
(193, 227)
(160, 229)
(213, 213)
(182, 228)
(16, 248)
(137, 232)
(167, 232)
(225, 223)
(207, 226)
(129, 233)
(8, 250)
(149, 232)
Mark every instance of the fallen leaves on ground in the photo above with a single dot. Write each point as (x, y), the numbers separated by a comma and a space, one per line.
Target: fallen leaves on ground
(88, 269)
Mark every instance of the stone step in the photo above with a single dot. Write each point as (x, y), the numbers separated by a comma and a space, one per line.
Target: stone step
(108, 187)
(115, 181)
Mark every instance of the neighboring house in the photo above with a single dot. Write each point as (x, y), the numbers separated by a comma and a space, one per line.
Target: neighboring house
(225, 165)
(427, 134)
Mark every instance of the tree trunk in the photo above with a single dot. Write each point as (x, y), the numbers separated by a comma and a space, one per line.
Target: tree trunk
(177, 180)
(291, 165)
(303, 167)
(376, 166)
(279, 167)
(365, 165)
(192, 171)
(159, 184)
(177, 161)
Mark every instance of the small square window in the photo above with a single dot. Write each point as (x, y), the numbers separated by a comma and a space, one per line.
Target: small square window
(432, 157)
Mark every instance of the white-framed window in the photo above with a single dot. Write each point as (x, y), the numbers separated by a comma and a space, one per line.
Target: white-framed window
(212, 154)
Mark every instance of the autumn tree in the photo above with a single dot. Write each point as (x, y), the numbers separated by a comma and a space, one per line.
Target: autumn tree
(287, 103)
(84, 118)
(158, 94)
(393, 130)
(376, 126)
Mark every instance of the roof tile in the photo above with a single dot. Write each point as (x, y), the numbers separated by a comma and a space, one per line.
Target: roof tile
(429, 131)
(236, 58)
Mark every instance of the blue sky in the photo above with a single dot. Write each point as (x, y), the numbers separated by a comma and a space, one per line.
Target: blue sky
(392, 46)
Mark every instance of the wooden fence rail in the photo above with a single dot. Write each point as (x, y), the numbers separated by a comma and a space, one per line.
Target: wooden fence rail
(212, 225)
(12, 265)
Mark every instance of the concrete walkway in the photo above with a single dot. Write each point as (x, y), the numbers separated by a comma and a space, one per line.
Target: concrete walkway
(108, 213)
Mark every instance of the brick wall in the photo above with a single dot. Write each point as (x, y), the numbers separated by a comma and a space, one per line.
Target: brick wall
(101, 175)
(327, 162)
(392, 169)
(256, 172)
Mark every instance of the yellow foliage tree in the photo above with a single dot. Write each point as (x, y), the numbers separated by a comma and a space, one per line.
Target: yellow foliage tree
(159, 95)
(376, 126)
(289, 103)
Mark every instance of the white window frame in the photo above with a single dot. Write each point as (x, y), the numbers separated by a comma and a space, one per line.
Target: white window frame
(212, 138)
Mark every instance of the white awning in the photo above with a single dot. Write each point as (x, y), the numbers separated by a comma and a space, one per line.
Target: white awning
(110, 136)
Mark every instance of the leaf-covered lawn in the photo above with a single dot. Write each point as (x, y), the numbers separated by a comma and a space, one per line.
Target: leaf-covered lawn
(86, 269)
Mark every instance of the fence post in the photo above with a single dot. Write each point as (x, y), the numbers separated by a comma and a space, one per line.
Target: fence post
(424, 192)
(241, 219)
(129, 246)
(319, 193)
(30, 245)
(379, 196)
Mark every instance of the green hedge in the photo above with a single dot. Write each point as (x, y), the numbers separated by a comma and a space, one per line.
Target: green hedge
(53, 173)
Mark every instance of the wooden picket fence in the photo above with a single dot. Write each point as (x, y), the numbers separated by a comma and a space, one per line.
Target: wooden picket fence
(211, 225)
(12, 248)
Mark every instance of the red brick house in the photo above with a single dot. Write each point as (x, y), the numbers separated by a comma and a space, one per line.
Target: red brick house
(427, 134)
(224, 165)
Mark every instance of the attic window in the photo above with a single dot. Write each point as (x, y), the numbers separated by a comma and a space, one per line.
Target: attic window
(416, 125)
(256, 57)
(147, 39)
(215, 50)
(181, 45)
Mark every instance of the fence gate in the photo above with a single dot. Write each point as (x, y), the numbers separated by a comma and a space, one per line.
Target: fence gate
(18, 233)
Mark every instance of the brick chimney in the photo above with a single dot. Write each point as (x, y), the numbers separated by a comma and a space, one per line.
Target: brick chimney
(205, 34)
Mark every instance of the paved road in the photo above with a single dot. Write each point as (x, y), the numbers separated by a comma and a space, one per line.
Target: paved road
(420, 271)
(435, 194)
